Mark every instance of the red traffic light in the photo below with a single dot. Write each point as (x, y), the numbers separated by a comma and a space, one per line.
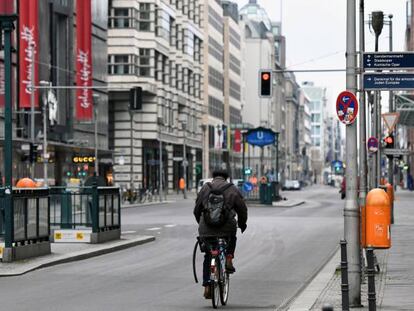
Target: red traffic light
(265, 76)
(388, 140)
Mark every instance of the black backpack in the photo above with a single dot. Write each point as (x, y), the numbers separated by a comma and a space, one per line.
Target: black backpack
(215, 211)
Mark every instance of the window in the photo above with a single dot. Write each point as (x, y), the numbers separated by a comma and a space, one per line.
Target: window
(119, 64)
(235, 64)
(144, 17)
(235, 90)
(144, 62)
(188, 47)
(235, 38)
(316, 130)
(215, 78)
(215, 107)
(235, 115)
(316, 117)
(163, 28)
(215, 49)
(215, 19)
(121, 18)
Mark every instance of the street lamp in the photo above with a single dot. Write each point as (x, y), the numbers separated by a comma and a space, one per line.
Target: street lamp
(95, 112)
(45, 153)
(185, 163)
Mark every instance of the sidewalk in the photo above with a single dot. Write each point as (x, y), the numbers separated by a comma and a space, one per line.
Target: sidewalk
(67, 252)
(171, 198)
(394, 284)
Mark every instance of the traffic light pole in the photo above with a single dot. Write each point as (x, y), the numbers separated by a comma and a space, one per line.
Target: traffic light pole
(351, 210)
(7, 24)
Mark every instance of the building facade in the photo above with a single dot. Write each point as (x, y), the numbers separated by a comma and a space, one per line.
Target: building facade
(305, 140)
(54, 35)
(258, 54)
(157, 47)
(317, 97)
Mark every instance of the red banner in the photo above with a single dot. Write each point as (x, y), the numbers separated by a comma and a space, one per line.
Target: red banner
(237, 141)
(7, 7)
(84, 105)
(28, 52)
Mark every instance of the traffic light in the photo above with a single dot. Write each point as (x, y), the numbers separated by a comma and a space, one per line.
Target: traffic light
(33, 153)
(265, 79)
(389, 141)
(135, 98)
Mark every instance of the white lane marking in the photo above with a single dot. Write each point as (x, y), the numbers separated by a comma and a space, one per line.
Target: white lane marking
(154, 229)
(128, 232)
(170, 226)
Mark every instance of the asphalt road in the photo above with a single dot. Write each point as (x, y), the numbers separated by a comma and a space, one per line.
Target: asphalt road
(280, 250)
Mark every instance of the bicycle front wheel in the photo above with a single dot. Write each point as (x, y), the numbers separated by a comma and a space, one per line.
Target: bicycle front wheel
(215, 287)
(224, 289)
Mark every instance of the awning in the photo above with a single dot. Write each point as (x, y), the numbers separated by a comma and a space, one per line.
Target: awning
(404, 104)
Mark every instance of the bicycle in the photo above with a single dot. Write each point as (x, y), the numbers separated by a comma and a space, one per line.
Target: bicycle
(145, 195)
(219, 277)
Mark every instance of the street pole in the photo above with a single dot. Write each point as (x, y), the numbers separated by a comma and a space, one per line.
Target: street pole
(96, 140)
(131, 170)
(362, 113)
(377, 25)
(32, 108)
(184, 162)
(45, 154)
(244, 154)
(7, 24)
(161, 166)
(351, 210)
(391, 109)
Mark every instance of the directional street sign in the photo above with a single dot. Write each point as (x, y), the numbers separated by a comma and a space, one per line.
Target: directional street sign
(388, 81)
(397, 152)
(347, 107)
(391, 120)
(391, 60)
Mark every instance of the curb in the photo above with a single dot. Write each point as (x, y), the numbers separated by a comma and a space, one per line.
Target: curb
(306, 296)
(79, 255)
(145, 204)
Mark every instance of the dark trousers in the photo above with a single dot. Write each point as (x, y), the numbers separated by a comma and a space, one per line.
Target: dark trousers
(231, 247)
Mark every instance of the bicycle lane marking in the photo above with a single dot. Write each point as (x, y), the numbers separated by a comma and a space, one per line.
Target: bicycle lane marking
(153, 229)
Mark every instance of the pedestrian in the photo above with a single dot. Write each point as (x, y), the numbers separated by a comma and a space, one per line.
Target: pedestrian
(410, 184)
(181, 184)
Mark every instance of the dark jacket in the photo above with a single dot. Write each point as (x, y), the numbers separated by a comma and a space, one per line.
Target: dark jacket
(235, 204)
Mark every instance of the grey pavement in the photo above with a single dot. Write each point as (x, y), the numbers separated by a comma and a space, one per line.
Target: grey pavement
(279, 253)
(395, 281)
(67, 252)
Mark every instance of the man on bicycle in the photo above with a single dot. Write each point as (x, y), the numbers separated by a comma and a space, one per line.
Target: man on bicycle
(235, 205)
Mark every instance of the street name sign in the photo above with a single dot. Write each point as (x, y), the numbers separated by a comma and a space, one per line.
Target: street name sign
(372, 144)
(388, 81)
(391, 120)
(346, 107)
(397, 152)
(391, 60)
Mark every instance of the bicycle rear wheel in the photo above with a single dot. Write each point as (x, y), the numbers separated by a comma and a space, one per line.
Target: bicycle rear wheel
(224, 289)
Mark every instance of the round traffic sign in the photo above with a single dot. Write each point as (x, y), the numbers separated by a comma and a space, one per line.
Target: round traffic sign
(247, 186)
(372, 144)
(347, 107)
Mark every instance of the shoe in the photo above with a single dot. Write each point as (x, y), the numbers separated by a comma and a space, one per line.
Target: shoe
(229, 265)
(207, 292)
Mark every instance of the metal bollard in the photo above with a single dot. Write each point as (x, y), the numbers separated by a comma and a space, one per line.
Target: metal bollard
(327, 308)
(372, 302)
(344, 277)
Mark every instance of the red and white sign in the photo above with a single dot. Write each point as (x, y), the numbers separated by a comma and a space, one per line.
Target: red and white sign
(347, 107)
(28, 52)
(372, 144)
(84, 105)
(391, 120)
(237, 141)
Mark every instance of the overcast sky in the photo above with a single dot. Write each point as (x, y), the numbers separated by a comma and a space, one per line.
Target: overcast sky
(315, 35)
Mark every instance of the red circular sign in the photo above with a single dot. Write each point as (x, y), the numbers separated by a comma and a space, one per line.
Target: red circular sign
(372, 144)
(347, 107)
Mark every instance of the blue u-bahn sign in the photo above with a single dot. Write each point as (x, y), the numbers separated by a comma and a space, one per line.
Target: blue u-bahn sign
(261, 137)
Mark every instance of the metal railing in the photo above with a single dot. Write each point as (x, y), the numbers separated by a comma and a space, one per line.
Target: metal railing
(30, 216)
(95, 207)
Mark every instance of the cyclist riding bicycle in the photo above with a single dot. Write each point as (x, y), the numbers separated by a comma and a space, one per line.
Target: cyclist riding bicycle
(233, 204)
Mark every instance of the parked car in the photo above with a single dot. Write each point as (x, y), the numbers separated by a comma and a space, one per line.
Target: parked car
(201, 183)
(291, 185)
